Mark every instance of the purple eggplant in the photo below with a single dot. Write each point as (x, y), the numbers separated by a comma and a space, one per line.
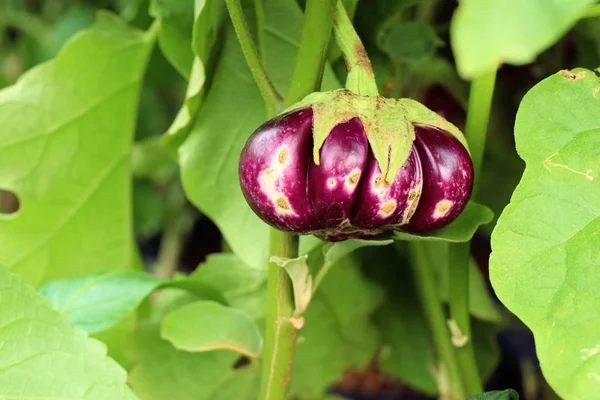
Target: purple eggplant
(345, 196)
(447, 179)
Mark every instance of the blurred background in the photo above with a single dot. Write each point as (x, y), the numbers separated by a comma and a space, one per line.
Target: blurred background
(411, 56)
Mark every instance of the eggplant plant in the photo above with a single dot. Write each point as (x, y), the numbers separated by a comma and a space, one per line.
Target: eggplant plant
(299, 200)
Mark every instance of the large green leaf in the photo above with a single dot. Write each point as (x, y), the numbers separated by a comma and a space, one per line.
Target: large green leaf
(207, 326)
(43, 357)
(66, 134)
(162, 372)
(230, 112)
(544, 266)
(485, 34)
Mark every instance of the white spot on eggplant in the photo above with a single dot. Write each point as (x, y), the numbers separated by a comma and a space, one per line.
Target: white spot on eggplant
(331, 183)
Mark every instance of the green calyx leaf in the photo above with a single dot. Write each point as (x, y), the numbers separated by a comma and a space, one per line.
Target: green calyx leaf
(388, 123)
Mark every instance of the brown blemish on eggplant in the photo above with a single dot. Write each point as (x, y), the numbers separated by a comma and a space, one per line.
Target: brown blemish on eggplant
(282, 203)
(442, 208)
(354, 177)
(377, 182)
(283, 155)
(388, 207)
(412, 195)
(331, 182)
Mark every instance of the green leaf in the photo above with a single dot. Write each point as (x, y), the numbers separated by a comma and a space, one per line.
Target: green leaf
(43, 357)
(175, 36)
(206, 326)
(96, 302)
(507, 394)
(65, 140)
(409, 42)
(544, 264)
(208, 16)
(243, 287)
(460, 230)
(162, 372)
(486, 34)
(233, 108)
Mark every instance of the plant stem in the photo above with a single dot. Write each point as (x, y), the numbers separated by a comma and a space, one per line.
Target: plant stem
(259, 9)
(282, 328)
(432, 306)
(179, 222)
(361, 79)
(265, 86)
(480, 103)
(310, 60)
(478, 115)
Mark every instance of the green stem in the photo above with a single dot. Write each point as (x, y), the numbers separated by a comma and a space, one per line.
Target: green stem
(361, 79)
(432, 305)
(265, 86)
(259, 9)
(310, 60)
(478, 115)
(480, 103)
(282, 328)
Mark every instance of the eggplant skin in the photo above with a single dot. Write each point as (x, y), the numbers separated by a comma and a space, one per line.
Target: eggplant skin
(447, 180)
(345, 196)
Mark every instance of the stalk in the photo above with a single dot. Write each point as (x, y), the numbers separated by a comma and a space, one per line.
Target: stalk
(478, 114)
(265, 86)
(431, 303)
(282, 327)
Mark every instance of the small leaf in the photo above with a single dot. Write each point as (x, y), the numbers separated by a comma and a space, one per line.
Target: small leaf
(460, 230)
(507, 394)
(544, 265)
(302, 282)
(67, 128)
(206, 325)
(486, 34)
(336, 251)
(43, 357)
(191, 376)
(95, 303)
